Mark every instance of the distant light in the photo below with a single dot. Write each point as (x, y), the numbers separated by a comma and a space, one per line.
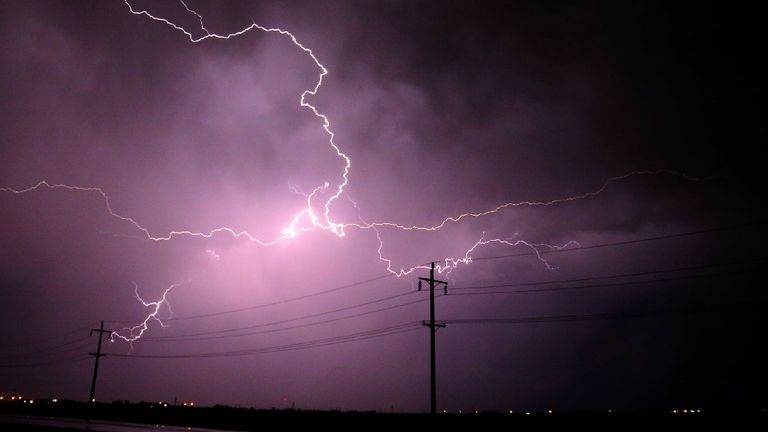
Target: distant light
(527, 413)
(445, 411)
(510, 411)
(459, 411)
(31, 401)
(698, 410)
(165, 405)
(685, 411)
(475, 411)
(674, 411)
(93, 400)
(609, 411)
(192, 404)
(55, 400)
(549, 411)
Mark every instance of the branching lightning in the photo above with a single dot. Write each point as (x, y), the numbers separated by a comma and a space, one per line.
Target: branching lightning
(508, 205)
(131, 334)
(307, 219)
(293, 229)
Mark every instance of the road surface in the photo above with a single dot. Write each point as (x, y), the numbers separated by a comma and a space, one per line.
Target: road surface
(27, 423)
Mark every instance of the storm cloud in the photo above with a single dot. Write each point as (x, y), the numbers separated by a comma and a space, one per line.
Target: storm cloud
(442, 109)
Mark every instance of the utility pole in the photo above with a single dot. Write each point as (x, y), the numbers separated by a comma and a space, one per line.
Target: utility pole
(432, 326)
(97, 354)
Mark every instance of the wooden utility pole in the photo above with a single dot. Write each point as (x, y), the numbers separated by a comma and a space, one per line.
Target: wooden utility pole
(432, 326)
(97, 354)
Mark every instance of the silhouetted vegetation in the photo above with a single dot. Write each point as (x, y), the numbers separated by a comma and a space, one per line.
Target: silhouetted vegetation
(225, 417)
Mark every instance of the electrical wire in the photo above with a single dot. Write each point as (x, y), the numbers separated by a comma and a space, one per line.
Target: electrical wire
(335, 340)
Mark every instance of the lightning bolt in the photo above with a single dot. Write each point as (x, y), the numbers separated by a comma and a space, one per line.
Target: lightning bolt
(307, 219)
(292, 230)
(134, 333)
(552, 202)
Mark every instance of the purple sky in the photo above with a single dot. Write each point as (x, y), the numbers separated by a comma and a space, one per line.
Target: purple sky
(442, 110)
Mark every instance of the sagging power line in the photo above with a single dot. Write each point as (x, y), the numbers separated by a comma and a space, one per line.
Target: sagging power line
(223, 334)
(390, 275)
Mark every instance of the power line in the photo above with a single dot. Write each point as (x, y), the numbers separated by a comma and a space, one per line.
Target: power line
(79, 347)
(616, 284)
(221, 335)
(275, 303)
(69, 360)
(287, 320)
(580, 317)
(56, 337)
(403, 328)
(547, 319)
(191, 337)
(388, 275)
(612, 276)
(335, 340)
(194, 337)
(49, 349)
(187, 339)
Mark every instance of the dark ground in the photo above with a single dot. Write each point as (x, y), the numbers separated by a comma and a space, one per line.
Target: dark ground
(222, 417)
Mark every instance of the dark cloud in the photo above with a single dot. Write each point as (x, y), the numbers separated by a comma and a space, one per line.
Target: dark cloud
(443, 109)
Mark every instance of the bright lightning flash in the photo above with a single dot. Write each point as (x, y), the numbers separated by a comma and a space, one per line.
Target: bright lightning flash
(307, 219)
(135, 332)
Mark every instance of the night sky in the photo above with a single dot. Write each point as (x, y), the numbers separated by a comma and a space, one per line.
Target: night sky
(649, 115)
